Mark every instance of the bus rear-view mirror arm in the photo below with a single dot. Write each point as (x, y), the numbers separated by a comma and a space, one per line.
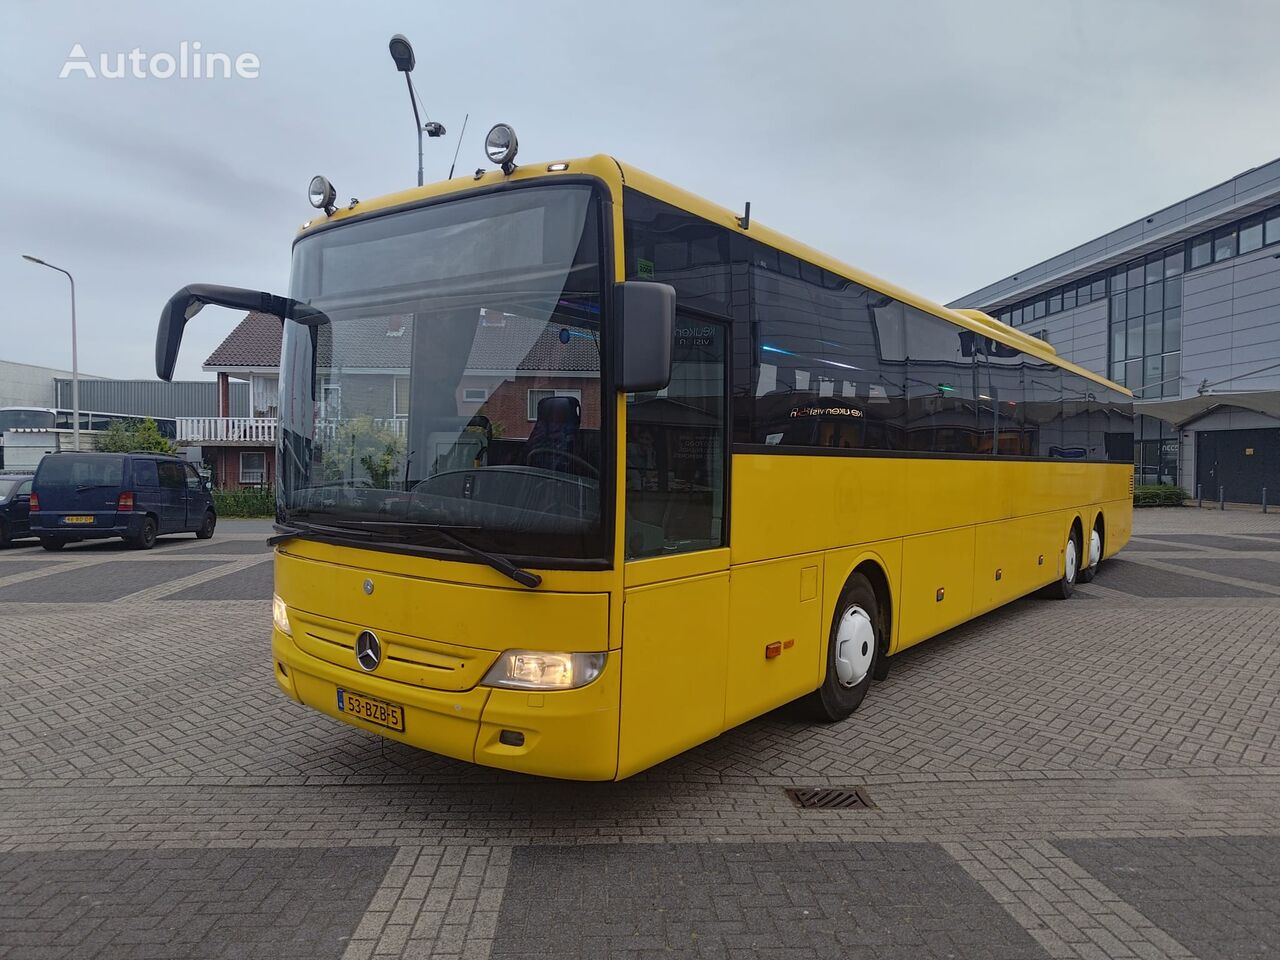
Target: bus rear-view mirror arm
(644, 319)
(190, 300)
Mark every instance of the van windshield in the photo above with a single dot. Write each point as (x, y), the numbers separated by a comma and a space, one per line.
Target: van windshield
(73, 470)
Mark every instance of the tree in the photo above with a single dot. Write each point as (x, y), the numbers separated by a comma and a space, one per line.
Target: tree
(123, 437)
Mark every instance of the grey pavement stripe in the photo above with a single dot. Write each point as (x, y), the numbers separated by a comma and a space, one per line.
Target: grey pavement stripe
(177, 586)
(1205, 575)
(1067, 911)
(435, 901)
(1105, 592)
(60, 566)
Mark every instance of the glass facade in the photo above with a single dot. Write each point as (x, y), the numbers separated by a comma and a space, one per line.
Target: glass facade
(1145, 324)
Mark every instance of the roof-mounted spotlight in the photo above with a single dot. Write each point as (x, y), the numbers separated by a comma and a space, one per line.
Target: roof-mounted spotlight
(321, 194)
(500, 147)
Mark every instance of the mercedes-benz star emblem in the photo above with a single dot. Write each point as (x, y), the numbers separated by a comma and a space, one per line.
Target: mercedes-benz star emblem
(368, 651)
(368, 587)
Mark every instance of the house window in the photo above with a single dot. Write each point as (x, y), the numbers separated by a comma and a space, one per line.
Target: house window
(475, 394)
(536, 396)
(253, 467)
(400, 397)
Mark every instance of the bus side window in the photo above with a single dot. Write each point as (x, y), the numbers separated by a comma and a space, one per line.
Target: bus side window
(676, 450)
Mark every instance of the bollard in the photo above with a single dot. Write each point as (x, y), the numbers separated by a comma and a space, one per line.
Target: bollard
(1264, 499)
(1222, 498)
(1200, 495)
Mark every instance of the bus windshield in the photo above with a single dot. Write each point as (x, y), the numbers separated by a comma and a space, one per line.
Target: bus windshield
(457, 383)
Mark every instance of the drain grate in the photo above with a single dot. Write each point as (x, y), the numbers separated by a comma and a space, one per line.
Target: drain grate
(831, 798)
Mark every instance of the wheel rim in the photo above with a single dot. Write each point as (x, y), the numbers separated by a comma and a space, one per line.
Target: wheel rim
(855, 646)
(1071, 560)
(1095, 547)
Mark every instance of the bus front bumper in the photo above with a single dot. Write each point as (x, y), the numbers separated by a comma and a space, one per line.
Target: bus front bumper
(568, 734)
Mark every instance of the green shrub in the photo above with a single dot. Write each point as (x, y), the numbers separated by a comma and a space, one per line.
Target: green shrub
(244, 503)
(1158, 495)
(122, 437)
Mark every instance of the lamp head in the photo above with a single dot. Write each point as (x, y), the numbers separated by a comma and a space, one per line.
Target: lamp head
(401, 53)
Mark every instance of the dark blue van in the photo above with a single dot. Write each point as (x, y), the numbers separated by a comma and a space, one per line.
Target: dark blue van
(15, 499)
(137, 496)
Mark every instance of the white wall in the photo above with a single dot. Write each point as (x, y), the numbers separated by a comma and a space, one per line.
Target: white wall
(25, 385)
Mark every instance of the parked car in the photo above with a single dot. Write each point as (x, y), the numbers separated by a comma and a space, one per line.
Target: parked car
(136, 496)
(15, 496)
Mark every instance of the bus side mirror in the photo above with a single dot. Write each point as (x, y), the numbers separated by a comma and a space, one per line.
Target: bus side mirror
(190, 300)
(644, 321)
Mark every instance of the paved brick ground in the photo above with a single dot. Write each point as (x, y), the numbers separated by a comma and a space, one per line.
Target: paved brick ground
(303, 903)
(1080, 779)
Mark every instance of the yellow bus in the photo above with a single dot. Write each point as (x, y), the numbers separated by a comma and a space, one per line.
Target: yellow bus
(577, 470)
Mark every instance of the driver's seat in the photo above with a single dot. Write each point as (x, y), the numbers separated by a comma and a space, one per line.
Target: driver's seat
(554, 433)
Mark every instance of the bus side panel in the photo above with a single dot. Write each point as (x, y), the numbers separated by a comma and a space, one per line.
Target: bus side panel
(937, 583)
(951, 493)
(775, 634)
(788, 505)
(673, 668)
(1000, 573)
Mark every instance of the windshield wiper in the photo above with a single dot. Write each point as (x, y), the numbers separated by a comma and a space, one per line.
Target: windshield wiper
(405, 532)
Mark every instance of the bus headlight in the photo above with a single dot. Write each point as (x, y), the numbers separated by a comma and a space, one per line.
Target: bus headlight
(539, 670)
(280, 615)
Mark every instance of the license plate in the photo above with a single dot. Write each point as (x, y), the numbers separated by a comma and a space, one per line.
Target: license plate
(384, 714)
(77, 519)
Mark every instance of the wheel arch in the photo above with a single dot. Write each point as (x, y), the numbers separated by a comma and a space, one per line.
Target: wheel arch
(873, 568)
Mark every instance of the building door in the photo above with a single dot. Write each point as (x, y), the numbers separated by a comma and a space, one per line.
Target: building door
(1241, 462)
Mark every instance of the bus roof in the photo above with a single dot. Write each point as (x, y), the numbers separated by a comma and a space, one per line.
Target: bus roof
(617, 174)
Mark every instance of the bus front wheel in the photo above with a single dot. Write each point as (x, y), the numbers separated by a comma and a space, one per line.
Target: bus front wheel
(853, 653)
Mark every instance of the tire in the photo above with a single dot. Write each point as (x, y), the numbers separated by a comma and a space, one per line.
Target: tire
(4, 534)
(1096, 545)
(1066, 584)
(146, 538)
(853, 654)
(206, 529)
(51, 545)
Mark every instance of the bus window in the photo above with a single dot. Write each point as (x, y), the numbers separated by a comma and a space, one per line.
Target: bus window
(675, 450)
(941, 414)
(828, 372)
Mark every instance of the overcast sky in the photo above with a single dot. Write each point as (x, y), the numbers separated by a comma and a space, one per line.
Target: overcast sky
(940, 145)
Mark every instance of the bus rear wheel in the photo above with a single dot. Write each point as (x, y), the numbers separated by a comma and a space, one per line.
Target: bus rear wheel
(1066, 584)
(1095, 554)
(853, 654)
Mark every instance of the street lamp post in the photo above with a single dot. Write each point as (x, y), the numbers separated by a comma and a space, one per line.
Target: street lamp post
(75, 366)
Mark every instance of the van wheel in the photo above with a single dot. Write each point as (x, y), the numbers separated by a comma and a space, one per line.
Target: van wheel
(206, 529)
(146, 538)
(1066, 584)
(50, 544)
(1095, 556)
(853, 653)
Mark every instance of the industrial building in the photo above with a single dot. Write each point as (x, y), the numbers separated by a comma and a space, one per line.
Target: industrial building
(1183, 308)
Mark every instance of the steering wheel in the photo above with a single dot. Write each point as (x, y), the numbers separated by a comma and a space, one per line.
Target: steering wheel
(548, 452)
